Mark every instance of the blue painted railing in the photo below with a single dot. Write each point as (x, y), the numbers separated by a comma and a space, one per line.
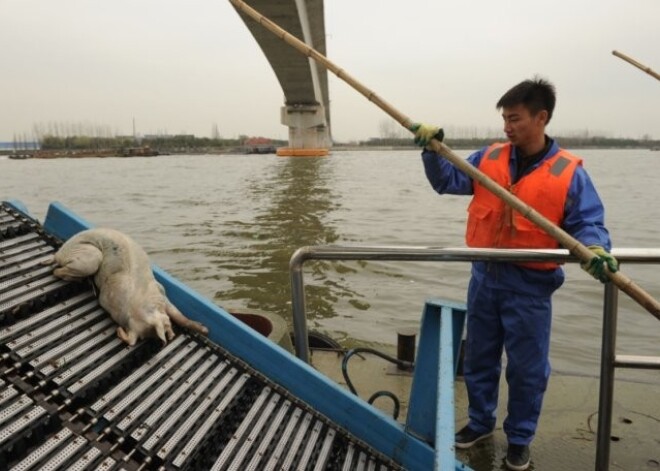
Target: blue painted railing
(433, 383)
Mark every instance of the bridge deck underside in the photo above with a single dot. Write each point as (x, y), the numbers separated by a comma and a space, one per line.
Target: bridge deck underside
(290, 66)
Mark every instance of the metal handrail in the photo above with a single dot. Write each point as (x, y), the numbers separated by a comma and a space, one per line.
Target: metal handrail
(609, 360)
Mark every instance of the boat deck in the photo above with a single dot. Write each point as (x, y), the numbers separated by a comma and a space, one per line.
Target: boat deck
(566, 437)
(73, 396)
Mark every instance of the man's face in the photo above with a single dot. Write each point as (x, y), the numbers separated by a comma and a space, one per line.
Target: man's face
(521, 127)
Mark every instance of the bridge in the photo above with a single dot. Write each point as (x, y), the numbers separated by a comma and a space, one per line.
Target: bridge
(306, 109)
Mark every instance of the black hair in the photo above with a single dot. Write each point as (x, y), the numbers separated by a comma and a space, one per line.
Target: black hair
(536, 94)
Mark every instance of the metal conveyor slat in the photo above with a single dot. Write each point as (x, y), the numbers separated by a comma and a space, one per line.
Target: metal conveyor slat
(73, 396)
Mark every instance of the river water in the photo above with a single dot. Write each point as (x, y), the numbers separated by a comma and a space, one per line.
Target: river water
(227, 226)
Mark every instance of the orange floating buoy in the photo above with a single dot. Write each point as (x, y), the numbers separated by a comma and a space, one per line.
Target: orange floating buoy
(299, 152)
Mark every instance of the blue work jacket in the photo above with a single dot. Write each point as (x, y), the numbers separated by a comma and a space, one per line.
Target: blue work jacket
(583, 219)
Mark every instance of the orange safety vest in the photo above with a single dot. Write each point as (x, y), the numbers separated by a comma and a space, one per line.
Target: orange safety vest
(494, 224)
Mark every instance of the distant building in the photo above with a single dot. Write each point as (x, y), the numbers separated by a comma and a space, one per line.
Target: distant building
(258, 145)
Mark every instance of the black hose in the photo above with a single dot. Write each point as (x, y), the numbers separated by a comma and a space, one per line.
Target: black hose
(402, 364)
(395, 400)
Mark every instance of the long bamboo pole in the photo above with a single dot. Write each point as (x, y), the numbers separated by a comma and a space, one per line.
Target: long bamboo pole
(566, 240)
(640, 66)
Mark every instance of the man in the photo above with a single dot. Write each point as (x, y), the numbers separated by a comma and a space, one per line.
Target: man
(509, 305)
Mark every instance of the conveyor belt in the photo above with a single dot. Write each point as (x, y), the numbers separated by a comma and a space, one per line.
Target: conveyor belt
(73, 396)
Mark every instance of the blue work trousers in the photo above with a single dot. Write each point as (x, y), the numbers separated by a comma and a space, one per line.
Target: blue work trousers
(520, 324)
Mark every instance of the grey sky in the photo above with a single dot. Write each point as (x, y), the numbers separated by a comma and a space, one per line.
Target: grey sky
(183, 66)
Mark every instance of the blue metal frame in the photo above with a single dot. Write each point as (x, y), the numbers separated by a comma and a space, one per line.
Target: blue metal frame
(323, 395)
(439, 344)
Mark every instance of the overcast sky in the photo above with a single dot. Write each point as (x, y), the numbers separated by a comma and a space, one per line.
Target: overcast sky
(185, 66)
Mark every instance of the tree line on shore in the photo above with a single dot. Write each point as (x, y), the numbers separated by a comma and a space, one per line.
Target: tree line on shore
(190, 143)
(567, 142)
(88, 138)
(164, 144)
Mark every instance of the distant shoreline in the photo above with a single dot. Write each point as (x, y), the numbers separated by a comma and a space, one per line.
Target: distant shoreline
(139, 152)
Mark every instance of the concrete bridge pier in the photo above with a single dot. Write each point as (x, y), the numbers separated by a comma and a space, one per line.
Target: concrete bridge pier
(306, 108)
(308, 131)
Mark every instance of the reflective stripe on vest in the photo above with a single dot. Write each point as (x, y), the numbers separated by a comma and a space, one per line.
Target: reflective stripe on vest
(494, 224)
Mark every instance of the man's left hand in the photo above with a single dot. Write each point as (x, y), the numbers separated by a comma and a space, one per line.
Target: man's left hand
(596, 266)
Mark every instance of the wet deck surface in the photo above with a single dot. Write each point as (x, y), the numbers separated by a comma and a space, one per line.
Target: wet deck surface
(566, 437)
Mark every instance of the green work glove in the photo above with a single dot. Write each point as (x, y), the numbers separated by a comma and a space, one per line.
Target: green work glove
(596, 266)
(425, 132)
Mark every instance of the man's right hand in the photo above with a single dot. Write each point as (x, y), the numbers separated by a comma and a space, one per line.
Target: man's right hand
(425, 132)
